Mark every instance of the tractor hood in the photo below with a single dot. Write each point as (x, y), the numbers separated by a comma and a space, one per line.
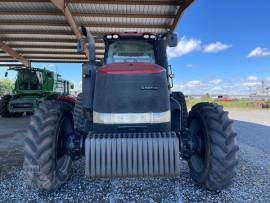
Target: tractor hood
(130, 68)
(131, 94)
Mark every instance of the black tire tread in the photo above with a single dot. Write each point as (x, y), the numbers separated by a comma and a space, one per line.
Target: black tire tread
(81, 123)
(4, 106)
(223, 156)
(40, 145)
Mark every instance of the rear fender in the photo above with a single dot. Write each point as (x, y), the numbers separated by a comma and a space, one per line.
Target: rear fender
(67, 98)
(175, 113)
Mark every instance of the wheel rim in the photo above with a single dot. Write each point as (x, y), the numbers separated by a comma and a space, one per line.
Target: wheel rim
(64, 131)
(198, 159)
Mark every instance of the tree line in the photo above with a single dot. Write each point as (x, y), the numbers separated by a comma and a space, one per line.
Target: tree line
(6, 86)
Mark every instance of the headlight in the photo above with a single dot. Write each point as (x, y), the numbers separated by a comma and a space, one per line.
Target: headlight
(146, 36)
(115, 36)
(131, 118)
(152, 36)
(109, 36)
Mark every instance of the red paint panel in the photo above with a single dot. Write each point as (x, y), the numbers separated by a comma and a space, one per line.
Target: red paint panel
(130, 68)
(68, 98)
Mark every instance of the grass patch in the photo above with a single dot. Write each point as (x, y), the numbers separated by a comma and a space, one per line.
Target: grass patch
(239, 103)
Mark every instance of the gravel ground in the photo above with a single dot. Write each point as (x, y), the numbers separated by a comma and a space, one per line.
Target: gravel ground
(251, 184)
(11, 143)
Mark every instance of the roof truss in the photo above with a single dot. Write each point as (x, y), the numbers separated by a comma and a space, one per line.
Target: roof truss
(43, 30)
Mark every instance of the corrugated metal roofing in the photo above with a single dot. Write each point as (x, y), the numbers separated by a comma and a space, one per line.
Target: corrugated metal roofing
(39, 31)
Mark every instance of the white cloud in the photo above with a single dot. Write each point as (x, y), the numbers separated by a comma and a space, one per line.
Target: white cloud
(193, 84)
(216, 89)
(259, 52)
(48, 65)
(51, 65)
(250, 84)
(216, 47)
(188, 45)
(184, 46)
(189, 86)
(216, 81)
(236, 86)
(190, 65)
(252, 78)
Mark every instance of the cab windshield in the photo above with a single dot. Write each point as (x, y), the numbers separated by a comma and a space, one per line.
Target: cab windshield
(131, 51)
(27, 80)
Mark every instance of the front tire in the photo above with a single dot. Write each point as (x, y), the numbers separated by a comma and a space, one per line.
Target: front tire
(46, 162)
(214, 162)
(81, 124)
(4, 106)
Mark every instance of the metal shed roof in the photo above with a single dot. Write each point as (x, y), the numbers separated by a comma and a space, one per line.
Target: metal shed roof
(38, 30)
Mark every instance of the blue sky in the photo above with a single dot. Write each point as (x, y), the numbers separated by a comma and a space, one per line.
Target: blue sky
(224, 47)
(240, 26)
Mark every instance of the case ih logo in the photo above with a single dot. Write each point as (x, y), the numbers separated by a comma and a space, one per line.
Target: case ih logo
(149, 87)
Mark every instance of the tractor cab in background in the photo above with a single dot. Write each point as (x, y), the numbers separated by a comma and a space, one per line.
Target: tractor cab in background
(29, 80)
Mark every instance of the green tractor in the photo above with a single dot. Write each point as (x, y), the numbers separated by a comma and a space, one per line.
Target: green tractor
(32, 86)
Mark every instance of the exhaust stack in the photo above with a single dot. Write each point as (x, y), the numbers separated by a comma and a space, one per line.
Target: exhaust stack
(91, 44)
(88, 70)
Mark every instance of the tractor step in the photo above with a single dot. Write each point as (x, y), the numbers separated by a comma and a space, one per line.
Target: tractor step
(132, 154)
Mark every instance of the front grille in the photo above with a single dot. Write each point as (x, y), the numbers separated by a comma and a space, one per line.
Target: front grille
(132, 154)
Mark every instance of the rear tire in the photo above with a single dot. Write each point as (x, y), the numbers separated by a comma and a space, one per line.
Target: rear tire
(81, 124)
(214, 162)
(4, 106)
(46, 162)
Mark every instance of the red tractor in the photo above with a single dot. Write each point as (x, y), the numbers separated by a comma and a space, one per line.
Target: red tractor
(128, 122)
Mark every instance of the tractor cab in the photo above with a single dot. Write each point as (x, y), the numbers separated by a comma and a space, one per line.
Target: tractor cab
(133, 47)
(130, 48)
(29, 80)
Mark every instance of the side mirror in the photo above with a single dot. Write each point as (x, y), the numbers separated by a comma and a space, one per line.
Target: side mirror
(72, 86)
(172, 39)
(80, 46)
(6, 74)
(99, 64)
(84, 31)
